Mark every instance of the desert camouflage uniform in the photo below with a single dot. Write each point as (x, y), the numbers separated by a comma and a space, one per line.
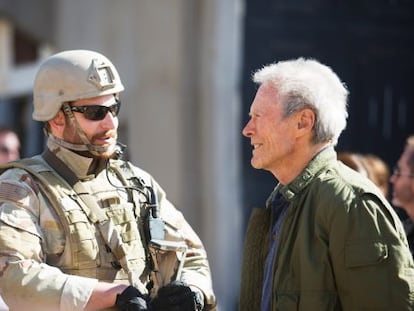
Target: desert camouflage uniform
(43, 267)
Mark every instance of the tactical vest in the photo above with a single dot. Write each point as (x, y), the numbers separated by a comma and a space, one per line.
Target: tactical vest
(96, 235)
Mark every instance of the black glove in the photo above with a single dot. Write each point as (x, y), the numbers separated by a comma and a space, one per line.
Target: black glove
(131, 300)
(177, 296)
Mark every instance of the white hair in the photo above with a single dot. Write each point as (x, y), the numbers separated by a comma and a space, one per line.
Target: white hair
(306, 83)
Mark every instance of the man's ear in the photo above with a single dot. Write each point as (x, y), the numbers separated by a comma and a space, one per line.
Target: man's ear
(59, 119)
(57, 124)
(306, 119)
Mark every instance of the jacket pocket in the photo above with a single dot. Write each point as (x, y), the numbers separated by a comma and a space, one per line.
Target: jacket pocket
(365, 253)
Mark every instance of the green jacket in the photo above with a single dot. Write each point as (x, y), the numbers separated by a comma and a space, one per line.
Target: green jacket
(341, 246)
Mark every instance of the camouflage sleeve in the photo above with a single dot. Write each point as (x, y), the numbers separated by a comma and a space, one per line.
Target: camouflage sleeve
(196, 270)
(23, 271)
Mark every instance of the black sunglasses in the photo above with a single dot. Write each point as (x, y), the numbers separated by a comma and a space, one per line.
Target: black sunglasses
(97, 112)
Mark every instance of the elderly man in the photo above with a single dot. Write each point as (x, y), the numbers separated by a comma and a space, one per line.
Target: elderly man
(328, 239)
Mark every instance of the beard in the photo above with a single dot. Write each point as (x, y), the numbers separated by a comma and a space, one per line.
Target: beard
(103, 153)
(95, 148)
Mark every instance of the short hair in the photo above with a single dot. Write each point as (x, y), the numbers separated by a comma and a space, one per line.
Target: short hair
(306, 83)
(409, 147)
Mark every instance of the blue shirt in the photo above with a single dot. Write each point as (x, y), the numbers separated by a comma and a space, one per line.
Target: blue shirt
(279, 206)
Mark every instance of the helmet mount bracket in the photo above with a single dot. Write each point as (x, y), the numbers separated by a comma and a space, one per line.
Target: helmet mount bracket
(101, 75)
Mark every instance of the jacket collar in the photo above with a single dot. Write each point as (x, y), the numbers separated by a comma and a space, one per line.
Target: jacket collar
(83, 167)
(318, 162)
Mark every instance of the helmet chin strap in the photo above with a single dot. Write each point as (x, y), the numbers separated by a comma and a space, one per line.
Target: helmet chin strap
(86, 146)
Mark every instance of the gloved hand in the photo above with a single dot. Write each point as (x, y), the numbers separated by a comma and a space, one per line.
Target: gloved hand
(177, 296)
(131, 300)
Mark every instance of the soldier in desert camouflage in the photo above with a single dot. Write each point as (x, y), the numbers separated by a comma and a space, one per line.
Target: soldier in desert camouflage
(82, 229)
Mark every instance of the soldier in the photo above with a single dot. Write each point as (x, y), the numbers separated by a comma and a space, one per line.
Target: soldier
(81, 229)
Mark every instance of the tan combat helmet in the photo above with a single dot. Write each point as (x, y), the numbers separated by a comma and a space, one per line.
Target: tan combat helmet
(70, 76)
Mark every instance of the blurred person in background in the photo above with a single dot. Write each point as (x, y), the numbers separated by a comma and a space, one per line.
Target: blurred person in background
(378, 172)
(9, 145)
(402, 180)
(370, 165)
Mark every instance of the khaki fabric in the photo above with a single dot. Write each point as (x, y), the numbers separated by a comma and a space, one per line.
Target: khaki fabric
(61, 248)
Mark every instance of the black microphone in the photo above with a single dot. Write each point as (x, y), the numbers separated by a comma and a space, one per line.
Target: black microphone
(119, 151)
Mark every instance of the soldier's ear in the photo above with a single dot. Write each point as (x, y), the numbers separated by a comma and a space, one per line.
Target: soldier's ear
(58, 122)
